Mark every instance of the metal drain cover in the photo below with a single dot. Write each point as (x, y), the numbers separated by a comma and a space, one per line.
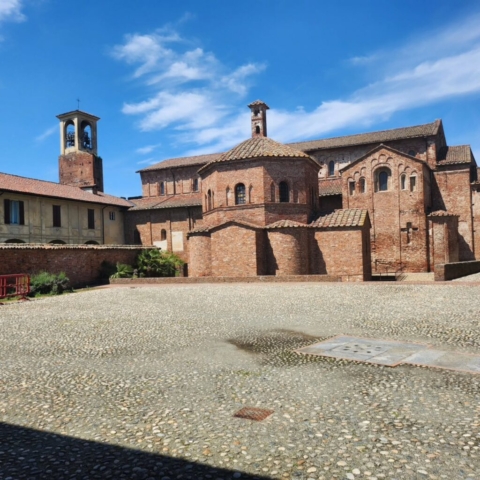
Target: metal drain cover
(253, 413)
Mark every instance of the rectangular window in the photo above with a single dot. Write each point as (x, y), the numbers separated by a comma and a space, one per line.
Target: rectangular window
(14, 212)
(57, 216)
(91, 219)
(111, 215)
(351, 188)
(413, 183)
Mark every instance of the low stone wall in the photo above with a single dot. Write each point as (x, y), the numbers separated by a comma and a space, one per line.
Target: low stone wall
(81, 263)
(258, 279)
(450, 271)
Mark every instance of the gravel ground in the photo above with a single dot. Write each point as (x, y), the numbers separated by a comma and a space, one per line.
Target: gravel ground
(142, 383)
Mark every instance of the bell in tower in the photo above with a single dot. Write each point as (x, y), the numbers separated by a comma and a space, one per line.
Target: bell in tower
(79, 163)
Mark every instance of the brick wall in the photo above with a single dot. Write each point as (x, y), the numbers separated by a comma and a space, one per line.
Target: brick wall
(452, 192)
(174, 221)
(176, 180)
(288, 253)
(398, 215)
(450, 271)
(234, 251)
(443, 240)
(341, 252)
(200, 258)
(260, 178)
(81, 168)
(81, 263)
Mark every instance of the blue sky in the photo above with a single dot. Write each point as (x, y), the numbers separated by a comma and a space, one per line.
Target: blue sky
(170, 79)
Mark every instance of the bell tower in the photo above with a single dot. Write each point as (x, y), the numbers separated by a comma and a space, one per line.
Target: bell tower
(79, 164)
(259, 118)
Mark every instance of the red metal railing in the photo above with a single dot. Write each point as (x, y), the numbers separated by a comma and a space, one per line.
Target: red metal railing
(14, 285)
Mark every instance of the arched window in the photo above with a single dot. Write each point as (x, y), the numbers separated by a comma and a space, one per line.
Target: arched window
(382, 179)
(257, 129)
(195, 185)
(362, 186)
(163, 235)
(250, 194)
(57, 242)
(162, 188)
(14, 240)
(284, 192)
(209, 200)
(331, 168)
(227, 195)
(90, 242)
(272, 192)
(240, 194)
(403, 182)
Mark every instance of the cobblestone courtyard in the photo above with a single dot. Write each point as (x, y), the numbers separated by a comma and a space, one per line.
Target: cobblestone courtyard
(142, 383)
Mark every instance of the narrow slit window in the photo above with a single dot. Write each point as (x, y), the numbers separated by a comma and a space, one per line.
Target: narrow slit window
(362, 185)
(57, 216)
(284, 192)
(91, 219)
(331, 168)
(351, 188)
(403, 182)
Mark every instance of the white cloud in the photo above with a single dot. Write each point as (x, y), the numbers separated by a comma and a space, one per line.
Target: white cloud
(147, 149)
(187, 87)
(11, 10)
(196, 96)
(47, 133)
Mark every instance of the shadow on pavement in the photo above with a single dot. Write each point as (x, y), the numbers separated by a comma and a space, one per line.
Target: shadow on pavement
(32, 454)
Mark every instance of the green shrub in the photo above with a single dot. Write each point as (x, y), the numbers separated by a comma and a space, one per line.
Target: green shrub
(155, 263)
(49, 283)
(123, 271)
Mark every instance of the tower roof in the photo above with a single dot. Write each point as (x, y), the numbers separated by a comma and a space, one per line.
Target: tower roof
(259, 147)
(77, 112)
(259, 103)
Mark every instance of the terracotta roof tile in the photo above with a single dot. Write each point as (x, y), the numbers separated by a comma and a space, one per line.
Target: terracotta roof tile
(454, 155)
(349, 140)
(258, 102)
(330, 186)
(169, 201)
(351, 217)
(285, 224)
(182, 162)
(209, 228)
(372, 137)
(14, 183)
(259, 147)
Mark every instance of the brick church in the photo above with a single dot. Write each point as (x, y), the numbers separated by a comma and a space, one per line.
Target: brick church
(399, 200)
(351, 207)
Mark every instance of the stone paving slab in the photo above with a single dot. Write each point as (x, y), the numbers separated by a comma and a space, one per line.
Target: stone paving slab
(390, 353)
(380, 352)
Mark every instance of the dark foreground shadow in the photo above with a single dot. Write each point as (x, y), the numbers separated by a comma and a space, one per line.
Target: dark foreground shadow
(32, 454)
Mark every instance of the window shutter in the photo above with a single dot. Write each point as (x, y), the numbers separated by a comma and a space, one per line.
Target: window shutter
(22, 213)
(6, 211)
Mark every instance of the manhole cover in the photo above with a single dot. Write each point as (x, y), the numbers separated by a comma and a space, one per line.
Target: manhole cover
(253, 413)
